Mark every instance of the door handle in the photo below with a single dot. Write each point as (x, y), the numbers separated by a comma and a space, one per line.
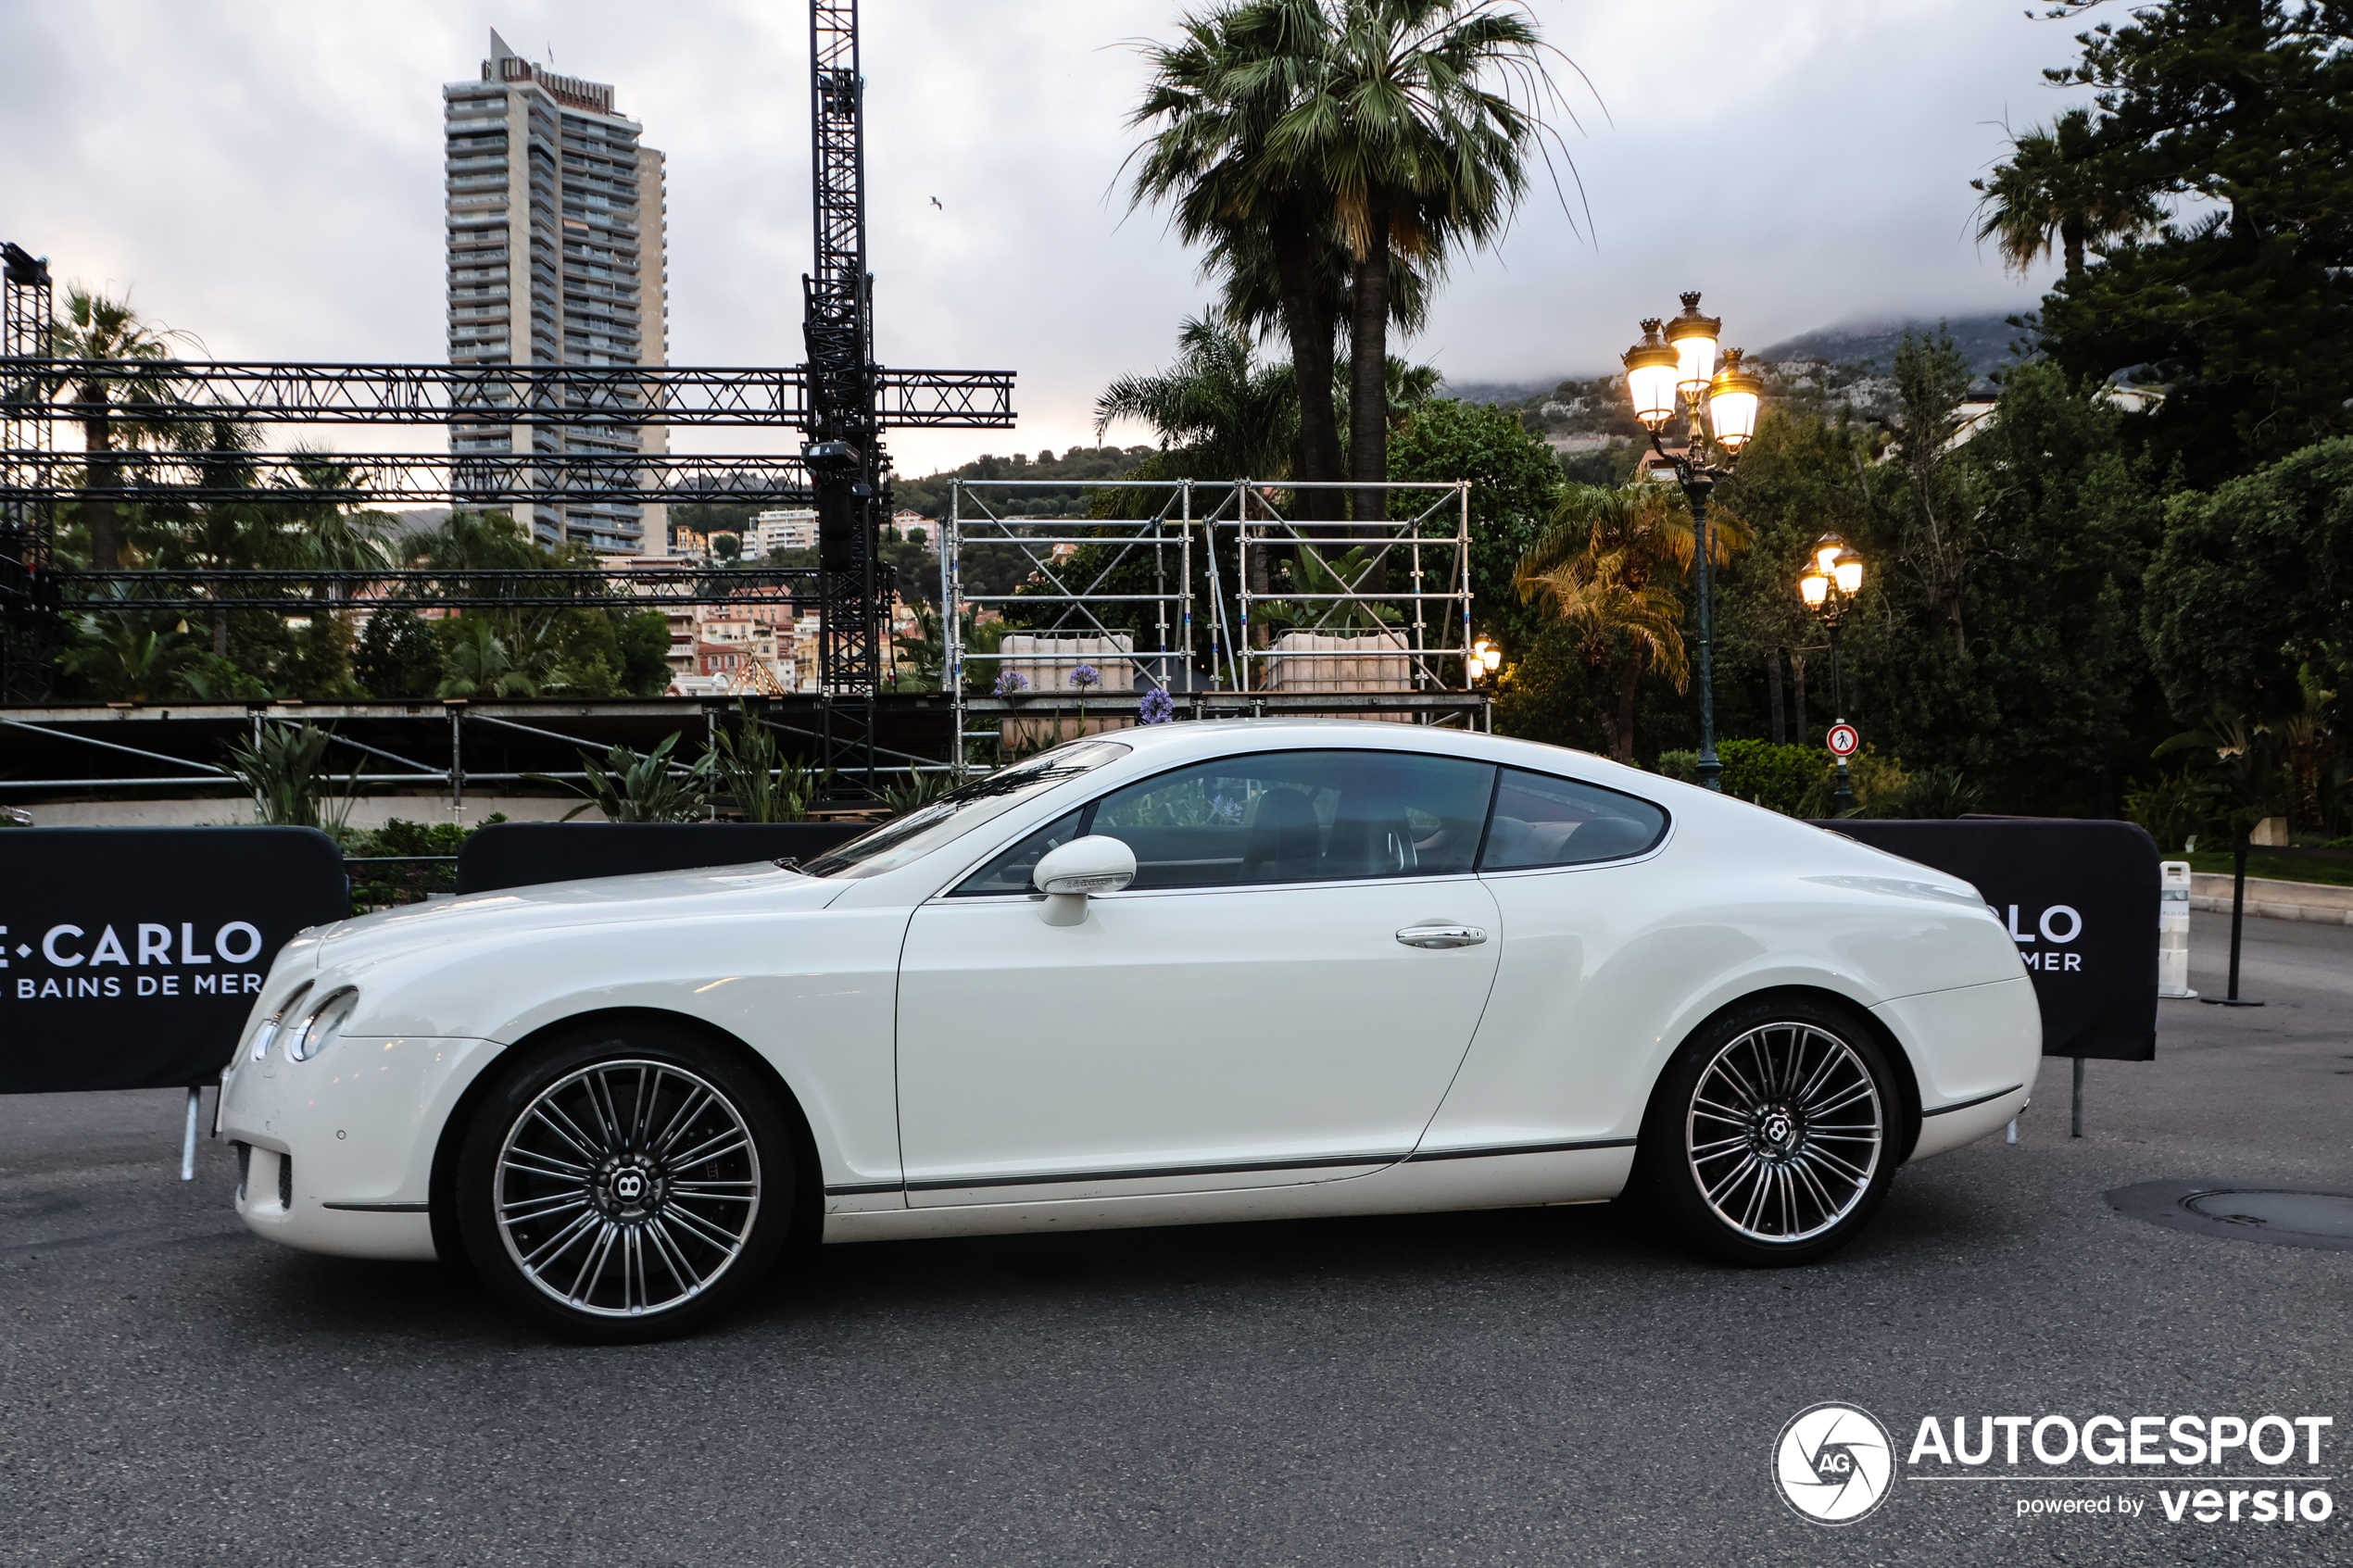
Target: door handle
(1442, 935)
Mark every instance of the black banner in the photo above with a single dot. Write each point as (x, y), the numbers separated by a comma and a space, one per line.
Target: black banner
(131, 957)
(2079, 899)
(524, 854)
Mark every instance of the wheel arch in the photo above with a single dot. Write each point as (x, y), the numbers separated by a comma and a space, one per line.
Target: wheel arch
(1899, 1060)
(809, 1201)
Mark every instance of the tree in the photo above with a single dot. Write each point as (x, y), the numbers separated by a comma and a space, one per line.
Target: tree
(2235, 114)
(1514, 484)
(1291, 131)
(2251, 586)
(396, 655)
(1396, 120)
(1219, 413)
(1602, 564)
(2053, 187)
(1604, 601)
(1214, 96)
(110, 396)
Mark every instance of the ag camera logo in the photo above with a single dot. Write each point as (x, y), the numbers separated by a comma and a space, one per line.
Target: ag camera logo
(1833, 1464)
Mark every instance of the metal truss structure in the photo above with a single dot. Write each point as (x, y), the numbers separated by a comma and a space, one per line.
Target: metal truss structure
(559, 395)
(373, 478)
(840, 399)
(303, 592)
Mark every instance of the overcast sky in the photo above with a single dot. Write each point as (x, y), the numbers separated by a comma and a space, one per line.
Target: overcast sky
(267, 175)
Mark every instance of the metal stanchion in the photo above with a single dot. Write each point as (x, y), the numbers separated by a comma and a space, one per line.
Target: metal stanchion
(188, 1140)
(2077, 1125)
(2238, 915)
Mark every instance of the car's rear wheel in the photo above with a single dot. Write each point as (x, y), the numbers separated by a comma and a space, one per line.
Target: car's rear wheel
(1771, 1138)
(626, 1185)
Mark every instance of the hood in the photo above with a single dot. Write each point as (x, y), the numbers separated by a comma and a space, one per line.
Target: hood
(757, 888)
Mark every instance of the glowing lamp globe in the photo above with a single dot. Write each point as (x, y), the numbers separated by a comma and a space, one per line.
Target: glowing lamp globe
(1694, 337)
(1848, 570)
(1734, 401)
(1652, 370)
(1814, 588)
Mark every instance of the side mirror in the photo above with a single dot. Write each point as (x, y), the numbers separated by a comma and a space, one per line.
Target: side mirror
(1094, 864)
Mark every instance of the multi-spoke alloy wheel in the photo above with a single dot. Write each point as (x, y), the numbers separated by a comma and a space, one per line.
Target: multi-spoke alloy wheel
(1784, 1133)
(618, 1189)
(627, 1187)
(1772, 1133)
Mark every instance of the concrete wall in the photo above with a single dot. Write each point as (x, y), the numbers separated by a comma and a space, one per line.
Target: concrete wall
(369, 811)
(2274, 900)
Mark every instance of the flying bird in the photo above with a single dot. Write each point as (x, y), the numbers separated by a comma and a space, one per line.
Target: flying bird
(935, 201)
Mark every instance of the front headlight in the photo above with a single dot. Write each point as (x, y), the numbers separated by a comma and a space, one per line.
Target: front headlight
(325, 1023)
(266, 1035)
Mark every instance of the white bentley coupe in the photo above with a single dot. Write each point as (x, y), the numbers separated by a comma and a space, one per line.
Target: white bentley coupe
(1199, 971)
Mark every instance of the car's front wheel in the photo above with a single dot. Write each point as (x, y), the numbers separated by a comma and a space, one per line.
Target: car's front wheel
(625, 1184)
(1771, 1138)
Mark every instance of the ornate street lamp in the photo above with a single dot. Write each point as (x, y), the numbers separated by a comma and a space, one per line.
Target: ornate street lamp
(1675, 369)
(1485, 656)
(1828, 588)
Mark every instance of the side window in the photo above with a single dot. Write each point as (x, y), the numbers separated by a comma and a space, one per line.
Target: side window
(1542, 821)
(1010, 871)
(1301, 816)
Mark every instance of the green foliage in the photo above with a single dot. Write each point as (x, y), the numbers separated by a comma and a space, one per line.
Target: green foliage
(124, 655)
(632, 786)
(644, 641)
(2235, 115)
(2175, 807)
(765, 786)
(1931, 793)
(2253, 583)
(918, 791)
(284, 768)
(477, 662)
(1782, 777)
(1042, 486)
(1514, 484)
(1307, 571)
(396, 655)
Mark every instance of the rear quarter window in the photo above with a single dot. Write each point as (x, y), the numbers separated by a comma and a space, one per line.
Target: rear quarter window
(1544, 821)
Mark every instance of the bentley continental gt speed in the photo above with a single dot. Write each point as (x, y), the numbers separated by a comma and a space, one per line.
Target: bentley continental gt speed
(1252, 969)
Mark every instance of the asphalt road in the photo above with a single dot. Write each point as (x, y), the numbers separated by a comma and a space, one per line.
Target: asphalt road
(1528, 1386)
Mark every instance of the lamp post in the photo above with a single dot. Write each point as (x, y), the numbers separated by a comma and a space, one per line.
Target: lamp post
(1675, 370)
(1828, 588)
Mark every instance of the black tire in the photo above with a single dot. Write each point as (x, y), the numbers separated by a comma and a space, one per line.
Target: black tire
(1771, 1137)
(626, 1184)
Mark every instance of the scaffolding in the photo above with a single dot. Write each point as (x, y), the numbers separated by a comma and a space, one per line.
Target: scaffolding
(1375, 616)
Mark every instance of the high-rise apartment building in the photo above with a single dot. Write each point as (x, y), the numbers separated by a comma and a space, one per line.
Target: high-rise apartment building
(557, 257)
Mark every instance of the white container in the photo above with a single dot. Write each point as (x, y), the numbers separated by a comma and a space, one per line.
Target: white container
(2173, 931)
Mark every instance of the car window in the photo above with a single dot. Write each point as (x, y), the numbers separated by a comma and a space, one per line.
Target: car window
(1542, 821)
(1299, 816)
(905, 839)
(1009, 872)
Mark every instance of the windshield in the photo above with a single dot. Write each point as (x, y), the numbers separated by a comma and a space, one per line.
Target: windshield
(920, 832)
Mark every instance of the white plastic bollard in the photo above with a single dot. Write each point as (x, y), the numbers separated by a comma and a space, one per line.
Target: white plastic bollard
(2173, 931)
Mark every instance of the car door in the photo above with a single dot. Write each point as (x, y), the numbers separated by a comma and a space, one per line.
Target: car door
(1282, 996)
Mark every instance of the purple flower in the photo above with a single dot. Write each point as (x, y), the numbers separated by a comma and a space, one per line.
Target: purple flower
(1086, 675)
(1158, 708)
(1012, 680)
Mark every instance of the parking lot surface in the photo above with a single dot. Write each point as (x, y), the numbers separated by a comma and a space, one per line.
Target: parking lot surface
(1517, 1387)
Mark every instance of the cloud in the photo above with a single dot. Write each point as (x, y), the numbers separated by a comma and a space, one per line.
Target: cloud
(267, 175)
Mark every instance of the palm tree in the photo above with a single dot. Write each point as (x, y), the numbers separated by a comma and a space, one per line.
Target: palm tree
(1214, 96)
(1603, 563)
(117, 347)
(1398, 117)
(1226, 415)
(1598, 596)
(2055, 186)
